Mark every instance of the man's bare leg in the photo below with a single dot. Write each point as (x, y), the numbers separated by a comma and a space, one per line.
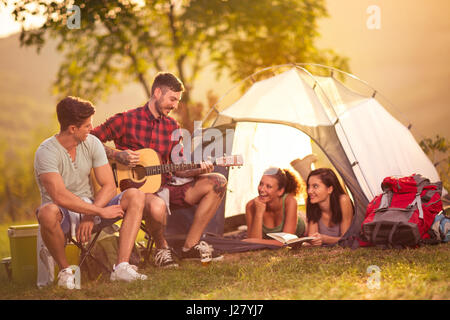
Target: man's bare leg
(207, 192)
(50, 217)
(155, 215)
(132, 203)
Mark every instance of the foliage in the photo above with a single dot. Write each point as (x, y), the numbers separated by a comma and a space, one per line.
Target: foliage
(119, 42)
(432, 147)
(19, 194)
(437, 150)
(25, 120)
(244, 36)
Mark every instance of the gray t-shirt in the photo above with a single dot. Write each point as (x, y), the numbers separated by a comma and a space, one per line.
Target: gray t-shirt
(334, 231)
(51, 156)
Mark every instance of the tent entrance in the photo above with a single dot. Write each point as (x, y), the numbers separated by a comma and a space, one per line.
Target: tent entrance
(262, 145)
(265, 145)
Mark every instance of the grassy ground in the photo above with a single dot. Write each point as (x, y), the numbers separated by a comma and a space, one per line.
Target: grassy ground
(308, 273)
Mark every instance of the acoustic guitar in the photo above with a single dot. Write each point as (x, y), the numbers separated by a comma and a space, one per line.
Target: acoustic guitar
(147, 174)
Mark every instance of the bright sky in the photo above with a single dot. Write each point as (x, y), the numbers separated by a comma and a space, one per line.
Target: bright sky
(410, 49)
(8, 25)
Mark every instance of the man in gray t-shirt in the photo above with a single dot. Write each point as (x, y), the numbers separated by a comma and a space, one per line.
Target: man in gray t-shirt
(51, 156)
(63, 164)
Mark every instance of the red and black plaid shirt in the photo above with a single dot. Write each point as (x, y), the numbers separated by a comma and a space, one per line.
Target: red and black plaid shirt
(137, 129)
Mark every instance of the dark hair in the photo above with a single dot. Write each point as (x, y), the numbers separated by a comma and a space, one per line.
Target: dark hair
(285, 179)
(73, 111)
(167, 79)
(328, 178)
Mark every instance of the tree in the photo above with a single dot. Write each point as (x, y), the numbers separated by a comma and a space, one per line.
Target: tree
(437, 150)
(244, 36)
(19, 194)
(124, 41)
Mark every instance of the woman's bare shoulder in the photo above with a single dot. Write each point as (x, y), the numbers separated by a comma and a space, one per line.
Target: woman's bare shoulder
(290, 200)
(346, 203)
(344, 199)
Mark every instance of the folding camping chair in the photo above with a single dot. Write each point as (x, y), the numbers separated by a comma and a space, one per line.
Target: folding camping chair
(86, 250)
(147, 249)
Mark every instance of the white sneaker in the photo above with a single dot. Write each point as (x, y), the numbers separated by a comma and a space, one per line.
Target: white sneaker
(66, 279)
(126, 272)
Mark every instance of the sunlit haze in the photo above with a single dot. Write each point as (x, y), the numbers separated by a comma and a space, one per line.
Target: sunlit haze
(406, 58)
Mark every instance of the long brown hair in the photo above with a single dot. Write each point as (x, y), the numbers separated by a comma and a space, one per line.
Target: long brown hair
(328, 178)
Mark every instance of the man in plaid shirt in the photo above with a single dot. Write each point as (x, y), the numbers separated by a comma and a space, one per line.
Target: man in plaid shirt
(150, 126)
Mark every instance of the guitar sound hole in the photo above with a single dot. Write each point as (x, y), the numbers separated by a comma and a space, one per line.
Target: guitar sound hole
(138, 173)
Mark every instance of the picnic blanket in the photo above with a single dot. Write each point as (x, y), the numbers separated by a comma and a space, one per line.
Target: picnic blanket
(231, 244)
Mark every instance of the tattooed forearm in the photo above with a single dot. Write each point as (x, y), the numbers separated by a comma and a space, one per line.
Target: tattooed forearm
(110, 152)
(188, 173)
(119, 156)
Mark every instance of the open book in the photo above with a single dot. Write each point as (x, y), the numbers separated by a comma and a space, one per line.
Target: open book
(288, 238)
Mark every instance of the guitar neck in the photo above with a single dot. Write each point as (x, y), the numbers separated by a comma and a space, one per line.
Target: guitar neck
(170, 167)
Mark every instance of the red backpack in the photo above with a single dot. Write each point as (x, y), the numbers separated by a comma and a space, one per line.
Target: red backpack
(403, 214)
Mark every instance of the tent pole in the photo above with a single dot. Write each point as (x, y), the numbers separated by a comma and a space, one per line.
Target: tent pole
(342, 128)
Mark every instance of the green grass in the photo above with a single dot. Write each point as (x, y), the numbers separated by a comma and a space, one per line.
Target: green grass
(308, 273)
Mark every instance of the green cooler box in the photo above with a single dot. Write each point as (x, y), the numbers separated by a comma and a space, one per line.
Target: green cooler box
(23, 242)
(23, 245)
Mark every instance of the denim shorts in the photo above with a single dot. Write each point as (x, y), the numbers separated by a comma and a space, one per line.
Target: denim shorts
(65, 222)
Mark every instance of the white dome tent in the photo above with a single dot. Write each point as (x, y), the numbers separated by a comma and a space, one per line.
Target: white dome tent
(278, 113)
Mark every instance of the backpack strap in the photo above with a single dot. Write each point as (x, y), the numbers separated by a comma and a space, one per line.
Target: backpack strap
(421, 183)
(385, 201)
(375, 232)
(391, 234)
(418, 202)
